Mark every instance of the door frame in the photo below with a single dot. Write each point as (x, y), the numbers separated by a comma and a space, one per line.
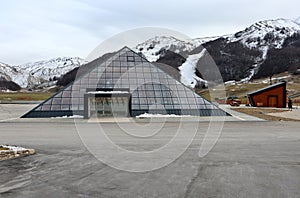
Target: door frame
(272, 96)
(121, 92)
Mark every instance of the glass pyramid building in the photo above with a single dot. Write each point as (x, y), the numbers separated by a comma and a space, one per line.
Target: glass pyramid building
(128, 83)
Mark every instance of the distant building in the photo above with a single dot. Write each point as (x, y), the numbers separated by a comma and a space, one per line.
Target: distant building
(271, 96)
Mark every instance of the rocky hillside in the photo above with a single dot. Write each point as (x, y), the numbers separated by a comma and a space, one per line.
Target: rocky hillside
(286, 58)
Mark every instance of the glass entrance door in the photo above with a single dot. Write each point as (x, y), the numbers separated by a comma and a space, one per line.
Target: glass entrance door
(112, 106)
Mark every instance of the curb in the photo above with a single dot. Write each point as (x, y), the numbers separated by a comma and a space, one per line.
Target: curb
(20, 102)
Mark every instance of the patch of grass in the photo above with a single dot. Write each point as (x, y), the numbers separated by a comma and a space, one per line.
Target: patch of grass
(205, 94)
(25, 96)
(240, 91)
(293, 86)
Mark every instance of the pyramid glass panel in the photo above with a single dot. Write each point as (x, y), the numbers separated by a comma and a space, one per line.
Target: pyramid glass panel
(149, 90)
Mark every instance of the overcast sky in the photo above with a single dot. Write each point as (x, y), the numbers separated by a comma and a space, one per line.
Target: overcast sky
(32, 30)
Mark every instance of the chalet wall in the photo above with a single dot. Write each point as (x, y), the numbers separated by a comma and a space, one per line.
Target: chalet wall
(263, 99)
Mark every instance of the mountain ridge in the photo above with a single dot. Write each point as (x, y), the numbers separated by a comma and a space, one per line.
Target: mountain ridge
(239, 56)
(39, 73)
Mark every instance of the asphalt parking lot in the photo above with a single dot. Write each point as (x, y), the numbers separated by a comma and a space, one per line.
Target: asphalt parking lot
(250, 159)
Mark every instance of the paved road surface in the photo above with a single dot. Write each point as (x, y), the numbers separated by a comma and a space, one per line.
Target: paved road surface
(251, 159)
(13, 111)
(294, 114)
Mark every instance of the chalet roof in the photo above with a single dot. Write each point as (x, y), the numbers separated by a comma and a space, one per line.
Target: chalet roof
(282, 83)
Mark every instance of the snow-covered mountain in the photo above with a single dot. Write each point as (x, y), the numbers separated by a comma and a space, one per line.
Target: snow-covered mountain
(252, 44)
(153, 48)
(6, 71)
(266, 34)
(39, 73)
(261, 35)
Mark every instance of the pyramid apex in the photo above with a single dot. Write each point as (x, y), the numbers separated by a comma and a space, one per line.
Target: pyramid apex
(125, 48)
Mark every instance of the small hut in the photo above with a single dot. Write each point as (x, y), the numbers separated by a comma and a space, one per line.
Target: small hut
(271, 96)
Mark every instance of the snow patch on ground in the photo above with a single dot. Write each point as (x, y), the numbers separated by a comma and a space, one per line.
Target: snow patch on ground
(13, 148)
(108, 92)
(231, 82)
(147, 115)
(73, 116)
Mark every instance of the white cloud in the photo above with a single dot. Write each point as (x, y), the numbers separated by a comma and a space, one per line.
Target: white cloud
(35, 29)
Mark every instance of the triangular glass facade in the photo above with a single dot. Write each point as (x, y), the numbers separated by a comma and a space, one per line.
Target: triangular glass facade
(151, 90)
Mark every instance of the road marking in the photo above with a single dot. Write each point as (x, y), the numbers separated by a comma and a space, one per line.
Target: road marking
(228, 110)
(238, 117)
(8, 119)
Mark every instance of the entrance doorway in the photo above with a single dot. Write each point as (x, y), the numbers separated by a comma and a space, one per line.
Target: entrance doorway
(272, 101)
(107, 103)
(112, 106)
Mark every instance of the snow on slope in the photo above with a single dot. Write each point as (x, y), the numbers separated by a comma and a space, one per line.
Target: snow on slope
(297, 20)
(37, 73)
(268, 33)
(199, 41)
(154, 47)
(265, 35)
(10, 73)
(188, 69)
(42, 71)
(149, 115)
(262, 35)
(6, 71)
